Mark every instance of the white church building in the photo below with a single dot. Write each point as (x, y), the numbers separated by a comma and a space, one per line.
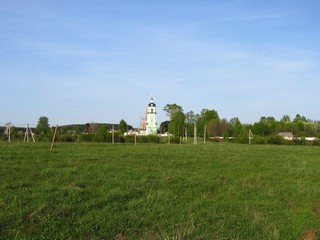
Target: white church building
(149, 121)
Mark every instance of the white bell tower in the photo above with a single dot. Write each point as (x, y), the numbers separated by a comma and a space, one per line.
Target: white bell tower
(151, 126)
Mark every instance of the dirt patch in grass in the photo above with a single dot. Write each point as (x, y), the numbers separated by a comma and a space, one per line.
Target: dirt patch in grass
(292, 204)
(317, 210)
(149, 236)
(309, 234)
(120, 236)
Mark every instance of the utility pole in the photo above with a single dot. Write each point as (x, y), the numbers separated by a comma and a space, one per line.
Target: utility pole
(31, 134)
(8, 130)
(54, 137)
(250, 136)
(26, 134)
(112, 134)
(195, 134)
(186, 133)
(135, 139)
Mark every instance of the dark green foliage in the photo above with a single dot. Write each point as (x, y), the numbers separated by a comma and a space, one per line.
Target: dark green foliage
(176, 125)
(164, 126)
(171, 109)
(99, 138)
(43, 126)
(277, 140)
(129, 139)
(236, 129)
(316, 142)
(144, 139)
(87, 137)
(123, 126)
(175, 140)
(209, 118)
(299, 141)
(66, 138)
(259, 140)
(153, 139)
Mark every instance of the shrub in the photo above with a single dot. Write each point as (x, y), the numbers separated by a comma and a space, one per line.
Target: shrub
(153, 139)
(299, 141)
(241, 140)
(316, 142)
(87, 137)
(129, 139)
(66, 138)
(144, 139)
(99, 138)
(259, 140)
(175, 140)
(277, 140)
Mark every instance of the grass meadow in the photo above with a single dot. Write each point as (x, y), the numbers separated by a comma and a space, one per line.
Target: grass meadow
(159, 191)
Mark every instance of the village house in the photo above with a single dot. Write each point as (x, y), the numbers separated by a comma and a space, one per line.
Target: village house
(286, 135)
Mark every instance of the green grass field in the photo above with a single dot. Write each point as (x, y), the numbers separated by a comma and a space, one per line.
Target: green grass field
(159, 191)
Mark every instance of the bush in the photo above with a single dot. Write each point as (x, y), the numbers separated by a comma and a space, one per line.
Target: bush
(153, 139)
(146, 139)
(43, 137)
(299, 141)
(277, 140)
(259, 140)
(142, 139)
(99, 138)
(316, 142)
(66, 138)
(87, 137)
(175, 140)
(241, 140)
(129, 139)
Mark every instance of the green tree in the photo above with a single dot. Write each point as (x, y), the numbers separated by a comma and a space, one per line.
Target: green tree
(236, 127)
(123, 126)
(190, 120)
(299, 118)
(213, 127)
(285, 118)
(102, 133)
(207, 116)
(190, 117)
(266, 127)
(43, 126)
(176, 124)
(164, 126)
(13, 133)
(170, 109)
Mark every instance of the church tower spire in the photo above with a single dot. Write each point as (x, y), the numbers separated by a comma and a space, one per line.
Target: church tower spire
(151, 126)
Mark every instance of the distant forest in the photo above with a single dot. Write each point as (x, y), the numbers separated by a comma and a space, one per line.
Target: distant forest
(65, 133)
(207, 119)
(206, 124)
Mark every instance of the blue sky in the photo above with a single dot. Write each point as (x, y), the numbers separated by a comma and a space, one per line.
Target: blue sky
(100, 61)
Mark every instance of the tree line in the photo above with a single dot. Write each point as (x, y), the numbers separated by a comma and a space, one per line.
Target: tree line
(209, 124)
(93, 132)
